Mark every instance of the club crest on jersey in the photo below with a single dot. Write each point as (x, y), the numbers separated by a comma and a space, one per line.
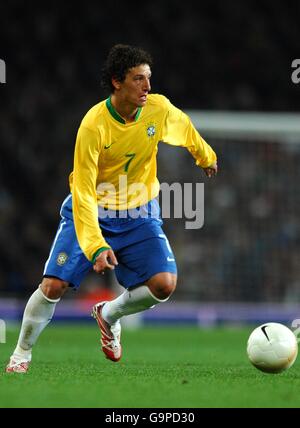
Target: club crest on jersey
(61, 259)
(151, 130)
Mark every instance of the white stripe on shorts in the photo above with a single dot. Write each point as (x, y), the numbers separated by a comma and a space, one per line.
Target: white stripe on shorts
(64, 202)
(167, 242)
(53, 245)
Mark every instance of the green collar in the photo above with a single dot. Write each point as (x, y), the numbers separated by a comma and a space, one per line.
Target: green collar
(116, 115)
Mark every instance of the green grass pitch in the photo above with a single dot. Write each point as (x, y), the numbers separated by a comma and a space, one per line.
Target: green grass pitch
(163, 367)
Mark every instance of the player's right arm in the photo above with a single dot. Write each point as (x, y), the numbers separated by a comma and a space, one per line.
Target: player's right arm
(84, 196)
(105, 260)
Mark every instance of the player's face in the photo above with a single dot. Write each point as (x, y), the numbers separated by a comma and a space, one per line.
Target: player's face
(136, 86)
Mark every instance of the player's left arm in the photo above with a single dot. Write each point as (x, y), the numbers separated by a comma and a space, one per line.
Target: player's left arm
(179, 131)
(212, 170)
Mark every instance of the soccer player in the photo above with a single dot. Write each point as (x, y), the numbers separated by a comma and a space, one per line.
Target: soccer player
(111, 218)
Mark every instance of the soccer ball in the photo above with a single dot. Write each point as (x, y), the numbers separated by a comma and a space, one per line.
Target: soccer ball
(272, 348)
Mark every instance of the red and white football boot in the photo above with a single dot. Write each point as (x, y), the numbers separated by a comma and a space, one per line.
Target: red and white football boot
(110, 334)
(17, 366)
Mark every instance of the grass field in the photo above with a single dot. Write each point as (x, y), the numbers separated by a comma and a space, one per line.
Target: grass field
(161, 367)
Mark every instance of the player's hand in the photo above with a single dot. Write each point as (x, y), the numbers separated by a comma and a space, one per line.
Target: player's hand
(105, 260)
(211, 171)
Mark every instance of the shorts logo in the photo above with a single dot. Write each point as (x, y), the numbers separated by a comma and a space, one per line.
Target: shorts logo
(151, 131)
(61, 259)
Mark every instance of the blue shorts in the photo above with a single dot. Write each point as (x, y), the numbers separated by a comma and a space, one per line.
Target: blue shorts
(140, 245)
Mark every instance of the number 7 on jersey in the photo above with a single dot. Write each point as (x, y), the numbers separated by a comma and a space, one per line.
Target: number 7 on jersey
(130, 156)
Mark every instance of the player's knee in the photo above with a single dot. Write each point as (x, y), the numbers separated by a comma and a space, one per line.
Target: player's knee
(53, 288)
(162, 285)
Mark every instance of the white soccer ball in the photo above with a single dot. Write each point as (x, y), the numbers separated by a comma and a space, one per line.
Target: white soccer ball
(272, 347)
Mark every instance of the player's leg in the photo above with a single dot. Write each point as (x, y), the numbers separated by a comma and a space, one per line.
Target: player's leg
(162, 285)
(148, 269)
(66, 266)
(156, 290)
(37, 315)
(137, 299)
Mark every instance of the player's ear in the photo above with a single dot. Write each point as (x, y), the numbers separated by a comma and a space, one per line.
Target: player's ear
(116, 83)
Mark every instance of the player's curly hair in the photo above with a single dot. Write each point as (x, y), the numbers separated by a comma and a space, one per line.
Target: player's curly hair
(119, 61)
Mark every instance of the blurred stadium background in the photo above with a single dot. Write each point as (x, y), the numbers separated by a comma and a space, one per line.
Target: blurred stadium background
(229, 66)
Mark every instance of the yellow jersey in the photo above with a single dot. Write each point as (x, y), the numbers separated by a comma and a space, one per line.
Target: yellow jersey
(115, 161)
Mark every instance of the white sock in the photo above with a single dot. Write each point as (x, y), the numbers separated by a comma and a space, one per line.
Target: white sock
(38, 313)
(130, 302)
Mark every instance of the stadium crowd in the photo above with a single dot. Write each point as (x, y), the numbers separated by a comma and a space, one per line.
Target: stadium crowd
(213, 56)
